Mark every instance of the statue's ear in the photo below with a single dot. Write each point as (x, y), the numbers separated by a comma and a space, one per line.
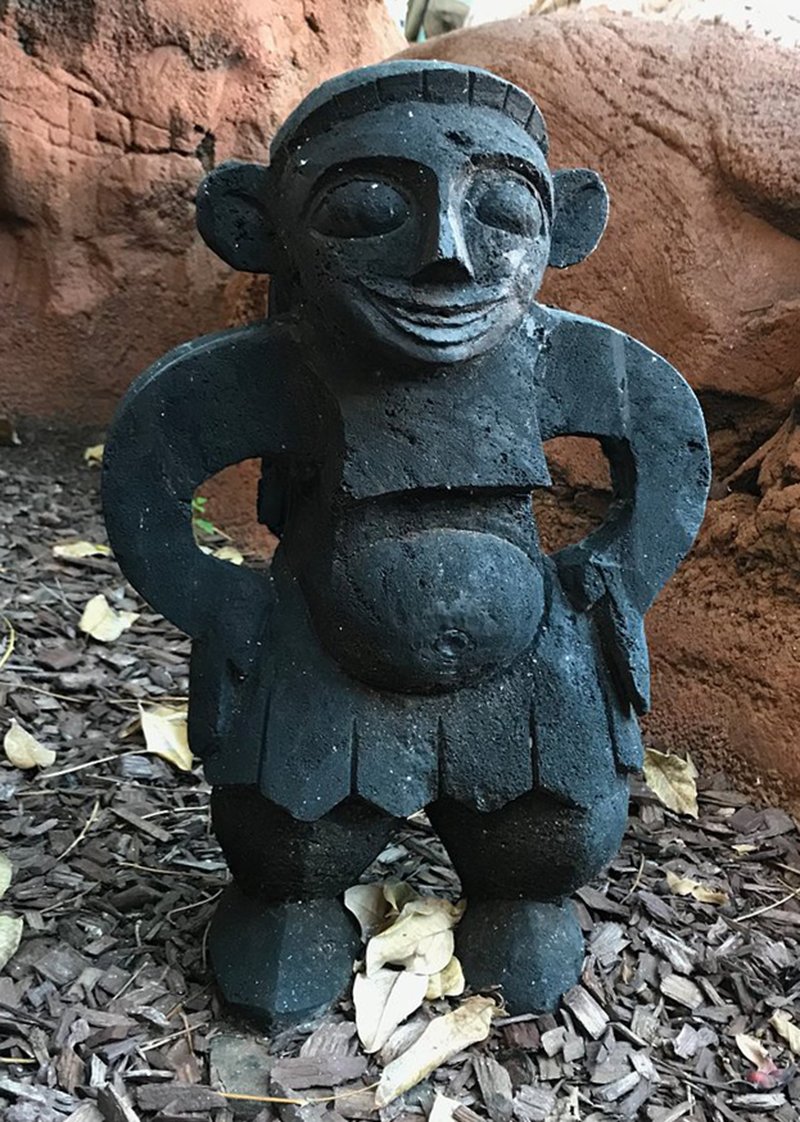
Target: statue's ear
(580, 215)
(233, 216)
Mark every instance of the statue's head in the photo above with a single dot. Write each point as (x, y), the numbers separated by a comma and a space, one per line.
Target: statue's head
(408, 205)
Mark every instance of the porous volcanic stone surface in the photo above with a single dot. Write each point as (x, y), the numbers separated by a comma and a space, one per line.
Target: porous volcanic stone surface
(110, 113)
(693, 128)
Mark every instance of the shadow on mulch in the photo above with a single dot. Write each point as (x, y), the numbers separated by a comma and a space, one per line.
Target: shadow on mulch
(108, 1012)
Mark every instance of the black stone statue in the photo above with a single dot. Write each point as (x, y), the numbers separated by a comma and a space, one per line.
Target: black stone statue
(411, 645)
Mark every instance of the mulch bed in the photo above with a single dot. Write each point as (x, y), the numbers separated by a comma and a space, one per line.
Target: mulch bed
(108, 1011)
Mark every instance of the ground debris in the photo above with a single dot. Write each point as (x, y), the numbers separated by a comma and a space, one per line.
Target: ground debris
(108, 1012)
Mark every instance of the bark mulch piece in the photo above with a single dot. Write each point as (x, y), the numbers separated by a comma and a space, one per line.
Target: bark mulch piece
(108, 1012)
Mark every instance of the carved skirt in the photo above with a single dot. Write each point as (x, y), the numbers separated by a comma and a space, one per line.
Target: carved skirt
(309, 735)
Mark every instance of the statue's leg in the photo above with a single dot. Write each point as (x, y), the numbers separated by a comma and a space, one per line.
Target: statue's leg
(518, 866)
(282, 945)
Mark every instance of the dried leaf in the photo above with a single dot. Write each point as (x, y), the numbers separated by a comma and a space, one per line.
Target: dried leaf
(442, 1039)
(753, 1050)
(10, 641)
(10, 935)
(383, 1001)
(225, 552)
(421, 938)
(94, 455)
(80, 549)
(229, 553)
(703, 893)
(765, 1072)
(448, 982)
(166, 734)
(24, 750)
(368, 904)
(672, 781)
(6, 870)
(786, 1028)
(103, 622)
(398, 893)
(442, 1108)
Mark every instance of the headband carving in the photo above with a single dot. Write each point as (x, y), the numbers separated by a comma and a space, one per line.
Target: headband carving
(392, 83)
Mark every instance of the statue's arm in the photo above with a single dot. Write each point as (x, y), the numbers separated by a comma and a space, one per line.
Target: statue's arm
(209, 403)
(596, 381)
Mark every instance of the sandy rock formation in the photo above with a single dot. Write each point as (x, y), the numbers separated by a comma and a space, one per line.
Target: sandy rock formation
(776, 20)
(694, 129)
(109, 114)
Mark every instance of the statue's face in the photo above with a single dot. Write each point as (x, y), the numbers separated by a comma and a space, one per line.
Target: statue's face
(420, 228)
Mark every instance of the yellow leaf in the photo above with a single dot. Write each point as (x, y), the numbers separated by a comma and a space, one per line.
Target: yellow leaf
(80, 549)
(398, 893)
(785, 1027)
(102, 622)
(10, 642)
(166, 735)
(94, 455)
(382, 1001)
(753, 1050)
(744, 849)
(420, 939)
(703, 893)
(368, 904)
(444, 1038)
(229, 553)
(448, 982)
(10, 935)
(672, 781)
(24, 750)
(5, 874)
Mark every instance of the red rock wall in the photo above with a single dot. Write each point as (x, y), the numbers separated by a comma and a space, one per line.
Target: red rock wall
(109, 112)
(694, 128)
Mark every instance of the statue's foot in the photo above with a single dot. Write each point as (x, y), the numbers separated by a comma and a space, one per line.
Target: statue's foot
(534, 950)
(280, 963)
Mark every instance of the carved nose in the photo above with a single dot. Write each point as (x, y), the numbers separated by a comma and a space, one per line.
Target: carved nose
(445, 257)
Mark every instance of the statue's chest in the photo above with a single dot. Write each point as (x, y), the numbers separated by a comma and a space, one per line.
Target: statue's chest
(428, 571)
(457, 430)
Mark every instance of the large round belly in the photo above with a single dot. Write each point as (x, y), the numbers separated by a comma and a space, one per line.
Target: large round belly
(434, 609)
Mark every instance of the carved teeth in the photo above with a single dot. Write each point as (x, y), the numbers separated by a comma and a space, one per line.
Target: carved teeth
(445, 323)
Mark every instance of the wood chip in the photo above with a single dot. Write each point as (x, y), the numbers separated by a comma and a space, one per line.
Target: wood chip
(682, 990)
(590, 1015)
(178, 1097)
(115, 1107)
(534, 1103)
(301, 1072)
(761, 1103)
(495, 1087)
(613, 1091)
(331, 1040)
(681, 957)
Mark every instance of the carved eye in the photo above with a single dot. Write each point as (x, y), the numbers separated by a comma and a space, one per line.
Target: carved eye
(362, 208)
(510, 205)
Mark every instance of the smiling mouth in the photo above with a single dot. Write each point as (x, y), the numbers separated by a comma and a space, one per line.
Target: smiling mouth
(441, 321)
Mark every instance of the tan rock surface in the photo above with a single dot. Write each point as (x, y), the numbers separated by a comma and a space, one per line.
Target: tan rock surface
(694, 129)
(109, 113)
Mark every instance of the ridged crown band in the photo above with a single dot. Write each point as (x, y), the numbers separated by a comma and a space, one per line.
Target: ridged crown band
(404, 81)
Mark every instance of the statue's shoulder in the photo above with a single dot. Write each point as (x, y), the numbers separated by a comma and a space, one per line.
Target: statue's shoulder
(569, 331)
(595, 349)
